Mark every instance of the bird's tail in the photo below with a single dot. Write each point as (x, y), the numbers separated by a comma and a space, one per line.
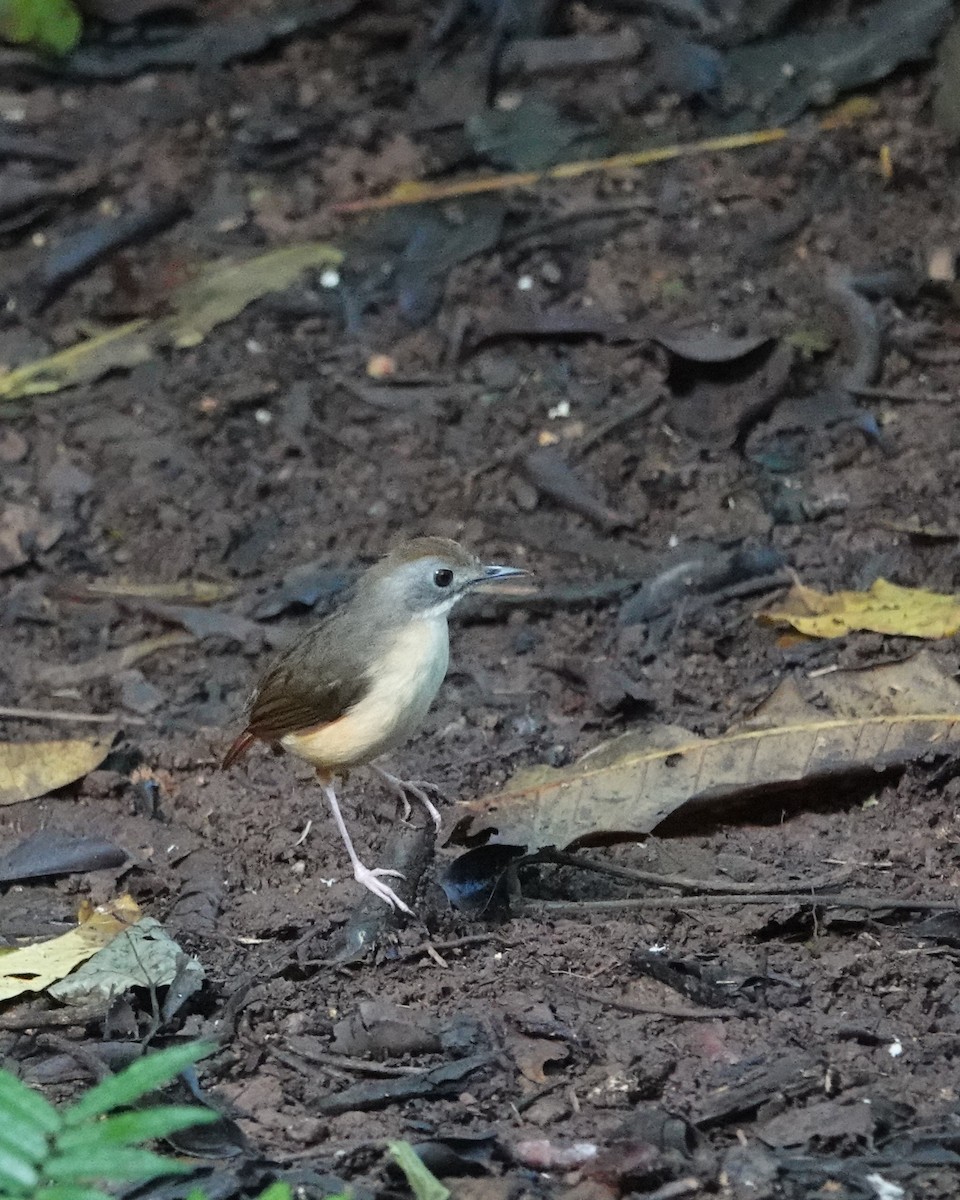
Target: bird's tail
(239, 748)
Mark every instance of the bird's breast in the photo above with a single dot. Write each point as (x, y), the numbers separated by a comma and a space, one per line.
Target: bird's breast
(410, 668)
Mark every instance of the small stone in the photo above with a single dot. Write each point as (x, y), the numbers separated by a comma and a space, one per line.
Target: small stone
(13, 446)
(138, 694)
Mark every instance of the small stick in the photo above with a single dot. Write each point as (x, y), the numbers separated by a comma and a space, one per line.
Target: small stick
(649, 1010)
(62, 714)
(903, 395)
(686, 883)
(474, 939)
(344, 1062)
(826, 900)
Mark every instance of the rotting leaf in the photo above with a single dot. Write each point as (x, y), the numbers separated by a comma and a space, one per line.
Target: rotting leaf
(884, 608)
(110, 663)
(532, 1056)
(625, 788)
(31, 769)
(35, 968)
(530, 137)
(219, 292)
(706, 345)
(52, 852)
(142, 956)
(783, 76)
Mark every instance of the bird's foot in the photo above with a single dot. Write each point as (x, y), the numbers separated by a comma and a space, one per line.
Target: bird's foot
(418, 789)
(372, 880)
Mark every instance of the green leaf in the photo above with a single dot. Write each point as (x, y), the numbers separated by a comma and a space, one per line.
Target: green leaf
(423, 1183)
(20, 1102)
(23, 1137)
(129, 1128)
(53, 25)
(69, 1191)
(15, 1173)
(135, 1081)
(277, 1191)
(118, 1164)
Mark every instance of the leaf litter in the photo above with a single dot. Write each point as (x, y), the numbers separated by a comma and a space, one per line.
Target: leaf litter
(31, 769)
(884, 608)
(863, 722)
(220, 291)
(34, 968)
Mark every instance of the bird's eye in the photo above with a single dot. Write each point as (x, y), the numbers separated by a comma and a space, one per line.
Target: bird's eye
(443, 578)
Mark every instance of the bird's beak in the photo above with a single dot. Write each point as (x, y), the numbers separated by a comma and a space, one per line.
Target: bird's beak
(492, 572)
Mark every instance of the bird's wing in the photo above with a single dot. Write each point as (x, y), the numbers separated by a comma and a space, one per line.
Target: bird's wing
(313, 683)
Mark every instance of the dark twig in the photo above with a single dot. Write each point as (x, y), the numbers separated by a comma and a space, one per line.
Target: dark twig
(904, 395)
(529, 1101)
(687, 883)
(343, 1062)
(63, 714)
(826, 900)
(474, 939)
(649, 1010)
(633, 413)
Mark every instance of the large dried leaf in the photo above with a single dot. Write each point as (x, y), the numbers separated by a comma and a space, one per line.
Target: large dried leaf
(219, 293)
(34, 968)
(625, 788)
(31, 769)
(141, 956)
(885, 608)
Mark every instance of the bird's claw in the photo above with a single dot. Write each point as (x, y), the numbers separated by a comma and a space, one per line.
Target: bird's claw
(419, 789)
(372, 882)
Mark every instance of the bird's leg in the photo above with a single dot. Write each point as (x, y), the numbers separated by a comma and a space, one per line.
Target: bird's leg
(418, 789)
(371, 879)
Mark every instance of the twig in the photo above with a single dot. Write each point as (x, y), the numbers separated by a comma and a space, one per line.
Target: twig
(649, 1010)
(826, 900)
(687, 883)
(676, 1188)
(634, 413)
(521, 1106)
(53, 1018)
(345, 1062)
(62, 714)
(419, 193)
(904, 395)
(474, 939)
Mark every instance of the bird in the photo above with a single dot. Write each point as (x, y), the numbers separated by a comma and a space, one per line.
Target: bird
(361, 681)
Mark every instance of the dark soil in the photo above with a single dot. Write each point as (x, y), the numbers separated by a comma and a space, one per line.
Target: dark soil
(244, 457)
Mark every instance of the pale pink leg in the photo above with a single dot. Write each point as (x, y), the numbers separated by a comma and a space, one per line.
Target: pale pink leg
(371, 879)
(415, 788)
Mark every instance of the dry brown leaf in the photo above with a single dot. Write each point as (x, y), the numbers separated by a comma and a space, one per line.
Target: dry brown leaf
(110, 663)
(31, 769)
(627, 787)
(532, 1055)
(34, 968)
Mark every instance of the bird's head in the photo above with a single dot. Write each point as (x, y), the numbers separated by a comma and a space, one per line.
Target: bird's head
(425, 577)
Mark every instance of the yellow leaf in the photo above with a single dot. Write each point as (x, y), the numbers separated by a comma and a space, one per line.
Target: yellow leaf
(31, 769)
(220, 291)
(885, 608)
(33, 968)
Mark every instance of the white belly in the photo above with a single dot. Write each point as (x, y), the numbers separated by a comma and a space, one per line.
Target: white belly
(407, 681)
